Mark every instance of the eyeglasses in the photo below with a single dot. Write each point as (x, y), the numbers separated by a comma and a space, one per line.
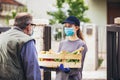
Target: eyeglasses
(32, 25)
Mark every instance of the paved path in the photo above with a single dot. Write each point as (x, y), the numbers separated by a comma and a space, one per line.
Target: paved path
(90, 75)
(95, 75)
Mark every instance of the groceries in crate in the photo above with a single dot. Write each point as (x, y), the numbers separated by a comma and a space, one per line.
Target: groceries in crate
(48, 52)
(64, 53)
(78, 51)
(52, 59)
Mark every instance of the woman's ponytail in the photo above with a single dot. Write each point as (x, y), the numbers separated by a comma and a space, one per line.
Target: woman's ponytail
(79, 34)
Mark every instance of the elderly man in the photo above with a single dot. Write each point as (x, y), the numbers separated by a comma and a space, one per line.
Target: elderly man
(18, 55)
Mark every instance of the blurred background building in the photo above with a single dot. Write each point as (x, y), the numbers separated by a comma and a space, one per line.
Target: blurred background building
(8, 9)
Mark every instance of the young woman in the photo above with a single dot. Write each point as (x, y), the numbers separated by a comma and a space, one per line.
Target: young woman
(73, 42)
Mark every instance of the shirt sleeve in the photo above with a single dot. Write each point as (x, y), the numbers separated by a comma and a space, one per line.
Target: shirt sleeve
(83, 54)
(59, 49)
(30, 61)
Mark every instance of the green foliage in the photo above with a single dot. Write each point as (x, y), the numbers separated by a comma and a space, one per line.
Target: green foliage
(14, 14)
(60, 3)
(100, 60)
(75, 7)
(25, 9)
(7, 19)
(58, 16)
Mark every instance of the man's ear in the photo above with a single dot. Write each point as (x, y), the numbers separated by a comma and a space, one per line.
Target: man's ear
(26, 30)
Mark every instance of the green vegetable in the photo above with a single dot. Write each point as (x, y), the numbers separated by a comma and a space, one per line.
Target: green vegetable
(58, 60)
(75, 52)
(72, 60)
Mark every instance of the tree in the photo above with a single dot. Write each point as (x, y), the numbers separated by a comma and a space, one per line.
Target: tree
(74, 7)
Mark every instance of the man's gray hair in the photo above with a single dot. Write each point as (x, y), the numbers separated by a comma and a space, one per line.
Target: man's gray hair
(22, 20)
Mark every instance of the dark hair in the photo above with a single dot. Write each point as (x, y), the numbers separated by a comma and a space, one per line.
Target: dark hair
(22, 20)
(79, 34)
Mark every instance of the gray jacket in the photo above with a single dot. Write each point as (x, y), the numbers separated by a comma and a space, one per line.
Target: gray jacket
(11, 43)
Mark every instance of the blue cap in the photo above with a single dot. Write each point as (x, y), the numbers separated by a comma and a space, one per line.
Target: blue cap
(72, 20)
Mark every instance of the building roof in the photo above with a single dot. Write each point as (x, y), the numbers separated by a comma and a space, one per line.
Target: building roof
(12, 2)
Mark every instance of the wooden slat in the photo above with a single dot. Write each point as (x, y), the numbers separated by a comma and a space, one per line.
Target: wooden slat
(60, 56)
(57, 64)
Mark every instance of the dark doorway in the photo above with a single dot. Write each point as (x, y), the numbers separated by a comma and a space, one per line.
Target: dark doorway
(113, 11)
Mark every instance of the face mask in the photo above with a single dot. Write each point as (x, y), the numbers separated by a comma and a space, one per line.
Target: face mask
(69, 31)
(31, 32)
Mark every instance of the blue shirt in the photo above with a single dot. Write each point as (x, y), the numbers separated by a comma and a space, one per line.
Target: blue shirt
(30, 62)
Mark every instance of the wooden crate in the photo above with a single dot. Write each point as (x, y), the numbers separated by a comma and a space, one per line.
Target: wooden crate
(54, 64)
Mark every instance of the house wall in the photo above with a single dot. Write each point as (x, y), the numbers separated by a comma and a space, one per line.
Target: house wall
(98, 15)
(2, 21)
(38, 8)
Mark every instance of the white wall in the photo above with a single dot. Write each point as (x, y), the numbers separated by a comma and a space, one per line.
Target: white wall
(3, 22)
(98, 14)
(38, 8)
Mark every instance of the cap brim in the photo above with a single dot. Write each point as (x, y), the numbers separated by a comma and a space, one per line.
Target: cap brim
(67, 21)
(33, 24)
(30, 22)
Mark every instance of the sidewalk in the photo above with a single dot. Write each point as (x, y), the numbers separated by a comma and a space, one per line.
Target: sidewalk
(99, 74)
(95, 75)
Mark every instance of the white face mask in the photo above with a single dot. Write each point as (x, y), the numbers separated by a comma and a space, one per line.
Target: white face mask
(31, 32)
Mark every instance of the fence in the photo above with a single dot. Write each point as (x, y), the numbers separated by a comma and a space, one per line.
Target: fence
(113, 52)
